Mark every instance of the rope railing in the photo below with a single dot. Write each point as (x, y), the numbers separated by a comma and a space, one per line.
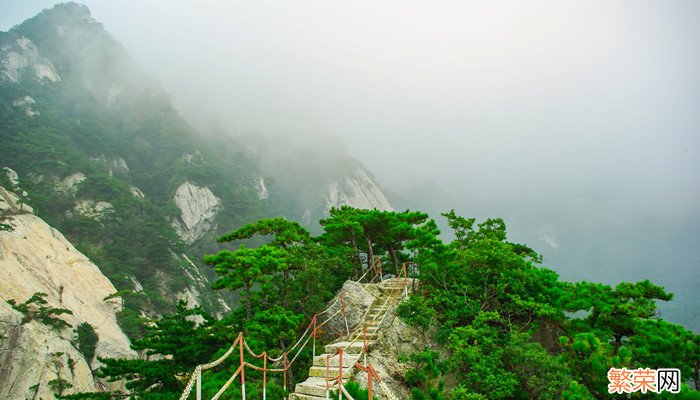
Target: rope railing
(309, 333)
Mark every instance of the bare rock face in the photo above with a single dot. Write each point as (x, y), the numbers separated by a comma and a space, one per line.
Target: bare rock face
(70, 183)
(261, 188)
(357, 190)
(113, 166)
(37, 258)
(26, 103)
(137, 192)
(92, 209)
(20, 59)
(357, 300)
(198, 206)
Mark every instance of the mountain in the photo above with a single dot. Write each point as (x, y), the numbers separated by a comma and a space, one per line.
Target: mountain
(105, 158)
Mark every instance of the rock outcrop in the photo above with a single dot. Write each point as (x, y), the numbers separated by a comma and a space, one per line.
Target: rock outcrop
(20, 59)
(113, 166)
(261, 188)
(357, 190)
(37, 258)
(198, 207)
(26, 103)
(70, 183)
(93, 209)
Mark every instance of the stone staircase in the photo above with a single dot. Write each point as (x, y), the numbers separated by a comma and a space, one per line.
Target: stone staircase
(315, 386)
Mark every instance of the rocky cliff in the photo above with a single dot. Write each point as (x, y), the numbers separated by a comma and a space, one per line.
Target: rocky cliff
(37, 359)
(357, 189)
(198, 207)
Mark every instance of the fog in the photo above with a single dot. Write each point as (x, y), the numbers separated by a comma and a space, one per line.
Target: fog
(578, 122)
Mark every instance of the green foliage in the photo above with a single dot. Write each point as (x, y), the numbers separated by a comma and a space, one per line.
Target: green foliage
(416, 312)
(36, 308)
(93, 396)
(87, 340)
(131, 322)
(58, 385)
(285, 233)
(244, 267)
(268, 329)
(354, 390)
(576, 391)
(425, 376)
(180, 343)
(374, 232)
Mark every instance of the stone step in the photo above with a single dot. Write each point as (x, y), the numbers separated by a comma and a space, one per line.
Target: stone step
(313, 386)
(299, 396)
(355, 348)
(320, 372)
(359, 334)
(348, 359)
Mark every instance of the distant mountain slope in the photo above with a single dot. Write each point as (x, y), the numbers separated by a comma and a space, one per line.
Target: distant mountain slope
(107, 160)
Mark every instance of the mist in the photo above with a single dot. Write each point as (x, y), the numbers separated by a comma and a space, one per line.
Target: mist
(577, 122)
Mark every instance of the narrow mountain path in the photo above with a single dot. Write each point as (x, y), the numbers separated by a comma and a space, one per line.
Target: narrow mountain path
(326, 368)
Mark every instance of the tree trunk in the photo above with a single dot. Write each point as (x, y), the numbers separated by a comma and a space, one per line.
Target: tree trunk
(248, 309)
(357, 252)
(285, 301)
(396, 260)
(370, 252)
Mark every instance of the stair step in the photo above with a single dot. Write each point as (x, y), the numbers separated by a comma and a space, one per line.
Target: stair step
(320, 372)
(313, 386)
(299, 396)
(355, 348)
(348, 359)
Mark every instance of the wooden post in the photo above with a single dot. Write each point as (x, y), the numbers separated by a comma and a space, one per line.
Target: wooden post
(199, 383)
(240, 338)
(369, 383)
(285, 375)
(328, 375)
(314, 351)
(264, 375)
(340, 374)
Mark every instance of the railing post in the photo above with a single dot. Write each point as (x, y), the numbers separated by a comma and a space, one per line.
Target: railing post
(369, 383)
(285, 375)
(340, 374)
(264, 375)
(328, 375)
(314, 333)
(240, 336)
(199, 383)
